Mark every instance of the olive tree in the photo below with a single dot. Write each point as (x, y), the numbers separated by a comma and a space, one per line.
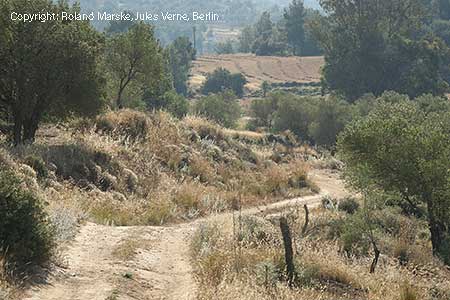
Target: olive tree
(47, 69)
(403, 147)
(134, 57)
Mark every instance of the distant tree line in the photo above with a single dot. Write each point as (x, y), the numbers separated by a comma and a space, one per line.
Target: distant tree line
(291, 35)
(374, 46)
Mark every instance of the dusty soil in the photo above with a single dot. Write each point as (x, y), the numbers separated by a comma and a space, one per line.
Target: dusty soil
(259, 68)
(143, 262)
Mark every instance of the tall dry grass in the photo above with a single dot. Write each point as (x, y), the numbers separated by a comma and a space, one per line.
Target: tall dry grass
(246, 261)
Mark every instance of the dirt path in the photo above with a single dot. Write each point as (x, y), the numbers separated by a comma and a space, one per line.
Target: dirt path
(142, 262)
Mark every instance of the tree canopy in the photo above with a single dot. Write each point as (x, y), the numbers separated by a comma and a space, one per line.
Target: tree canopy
(135, 57)
(294, 18)
(374, 46)
(221, 80)
(222, 108)
(47, 69)
(403, 148)
(181, 54)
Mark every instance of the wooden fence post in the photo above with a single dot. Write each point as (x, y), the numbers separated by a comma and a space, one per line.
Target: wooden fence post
(288, 251)
(305, 226)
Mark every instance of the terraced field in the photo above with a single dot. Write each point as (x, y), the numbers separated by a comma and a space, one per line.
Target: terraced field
(259, 68)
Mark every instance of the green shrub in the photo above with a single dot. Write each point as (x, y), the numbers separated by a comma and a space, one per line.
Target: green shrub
(221, 80)
(172, 102)
(330, 117)
(38, 164)
(222, 108)
(294, 114)
(353, 235)
(25, 233)
(349, 205)
(263, 111)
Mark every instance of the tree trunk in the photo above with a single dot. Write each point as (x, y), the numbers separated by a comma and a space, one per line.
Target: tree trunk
(18, 125)
(288, 251)
(119, 99)
(436, 226)
(375, 259)
(29, 130)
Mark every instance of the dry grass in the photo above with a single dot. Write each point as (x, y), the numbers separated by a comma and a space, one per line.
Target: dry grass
(259, 69)
(8, 289)
(252, 264)
(126, 250)
(133, 168)
(129, 168)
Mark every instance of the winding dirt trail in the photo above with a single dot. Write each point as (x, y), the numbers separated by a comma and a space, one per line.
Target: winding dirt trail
(143, 262)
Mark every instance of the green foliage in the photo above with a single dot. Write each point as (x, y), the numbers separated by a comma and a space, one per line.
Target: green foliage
(376, 46)
(263, 110)
(404, 148)
(224, 47)
(353, 235)
(330, 118)
(442, 29)
(265, 87)
(349, 205)
(290, 35)
(38, 164)
(135, 57)
(310, 45)
(221, 80)
(315, 119)
(222, 108)
(172, 102)
(246, 39)
(51, 67)
(294, 18)
(181, 54)
(25, 234)
(273, 43)
(295, 114)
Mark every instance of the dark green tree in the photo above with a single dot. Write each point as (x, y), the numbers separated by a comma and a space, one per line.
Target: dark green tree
(373, 46)
(224, 47)
(222, 108)
(264, 26)
(330, 118)
(221, 80)
(265, 87)
(246, 39)
(135, 57)
(403, 147)
(294, 17)
(263, 111)
(181, 55)
(47, 69)
(294, 114)
(172, 102)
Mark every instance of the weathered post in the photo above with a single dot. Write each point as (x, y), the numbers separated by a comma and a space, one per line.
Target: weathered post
(288, 251)
(305, 226)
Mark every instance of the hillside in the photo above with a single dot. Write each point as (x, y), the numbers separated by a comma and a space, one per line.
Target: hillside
(276, 70)
(130, 168)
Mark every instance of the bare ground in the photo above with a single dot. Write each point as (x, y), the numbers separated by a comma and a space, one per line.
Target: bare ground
(143, 262)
